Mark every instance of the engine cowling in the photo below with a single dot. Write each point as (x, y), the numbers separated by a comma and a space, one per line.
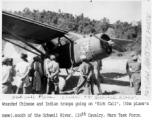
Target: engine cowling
(93, 48)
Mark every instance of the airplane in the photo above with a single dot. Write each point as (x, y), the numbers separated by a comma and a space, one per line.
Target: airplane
(57, 41)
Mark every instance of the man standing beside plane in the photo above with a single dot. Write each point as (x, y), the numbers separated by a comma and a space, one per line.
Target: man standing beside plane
(95, 79)
(8, 73)
(86, 71)
(53, 75)
(38, 73)
(128, 71)
(96, 73)
(135, 69)
(23, 68)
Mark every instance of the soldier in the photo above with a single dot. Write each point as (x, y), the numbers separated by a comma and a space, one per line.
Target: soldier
(53, 75)
(96, 76)
(46, 73)
(135, 68)
(86, 71)
(23, 69)
(7, 76)
(128, 71)
(38, 73)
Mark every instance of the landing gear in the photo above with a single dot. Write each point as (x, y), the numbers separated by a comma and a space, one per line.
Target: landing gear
(71, 73)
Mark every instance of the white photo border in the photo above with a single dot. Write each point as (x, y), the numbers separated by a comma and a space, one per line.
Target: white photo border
(146, 69)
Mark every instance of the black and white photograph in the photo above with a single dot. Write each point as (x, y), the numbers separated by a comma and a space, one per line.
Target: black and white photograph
(72, 47)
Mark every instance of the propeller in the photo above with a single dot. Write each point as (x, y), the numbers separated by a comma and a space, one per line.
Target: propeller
(115, 43)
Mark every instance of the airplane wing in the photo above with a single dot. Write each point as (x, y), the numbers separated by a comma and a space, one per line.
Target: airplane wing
(29, 30)
(76, 35)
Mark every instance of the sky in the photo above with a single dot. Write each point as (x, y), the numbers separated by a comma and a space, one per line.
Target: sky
(125, 11)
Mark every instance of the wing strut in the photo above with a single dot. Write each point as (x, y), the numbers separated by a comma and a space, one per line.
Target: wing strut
(24, 42)
(72, 72)
(20, 46)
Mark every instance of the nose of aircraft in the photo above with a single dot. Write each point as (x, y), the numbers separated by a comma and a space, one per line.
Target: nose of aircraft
(107, 48)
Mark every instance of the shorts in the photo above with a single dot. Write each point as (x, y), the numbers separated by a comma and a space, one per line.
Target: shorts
(22, 83)
(129, 73)
(7, 89)
(55, 80)
(136, 78)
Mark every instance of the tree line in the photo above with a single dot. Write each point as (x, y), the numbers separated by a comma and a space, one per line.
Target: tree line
(84, 25)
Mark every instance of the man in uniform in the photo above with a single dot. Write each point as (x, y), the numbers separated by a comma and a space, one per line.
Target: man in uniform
(38, 73)
(86, 71)
(129, 62)
(96, 75)
(128, 71)
(135, 68)
(7, 76)
(23, 69)
(53, 75)
(46, 73)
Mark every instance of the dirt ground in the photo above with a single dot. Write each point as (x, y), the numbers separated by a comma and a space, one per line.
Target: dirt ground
(116, 81)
